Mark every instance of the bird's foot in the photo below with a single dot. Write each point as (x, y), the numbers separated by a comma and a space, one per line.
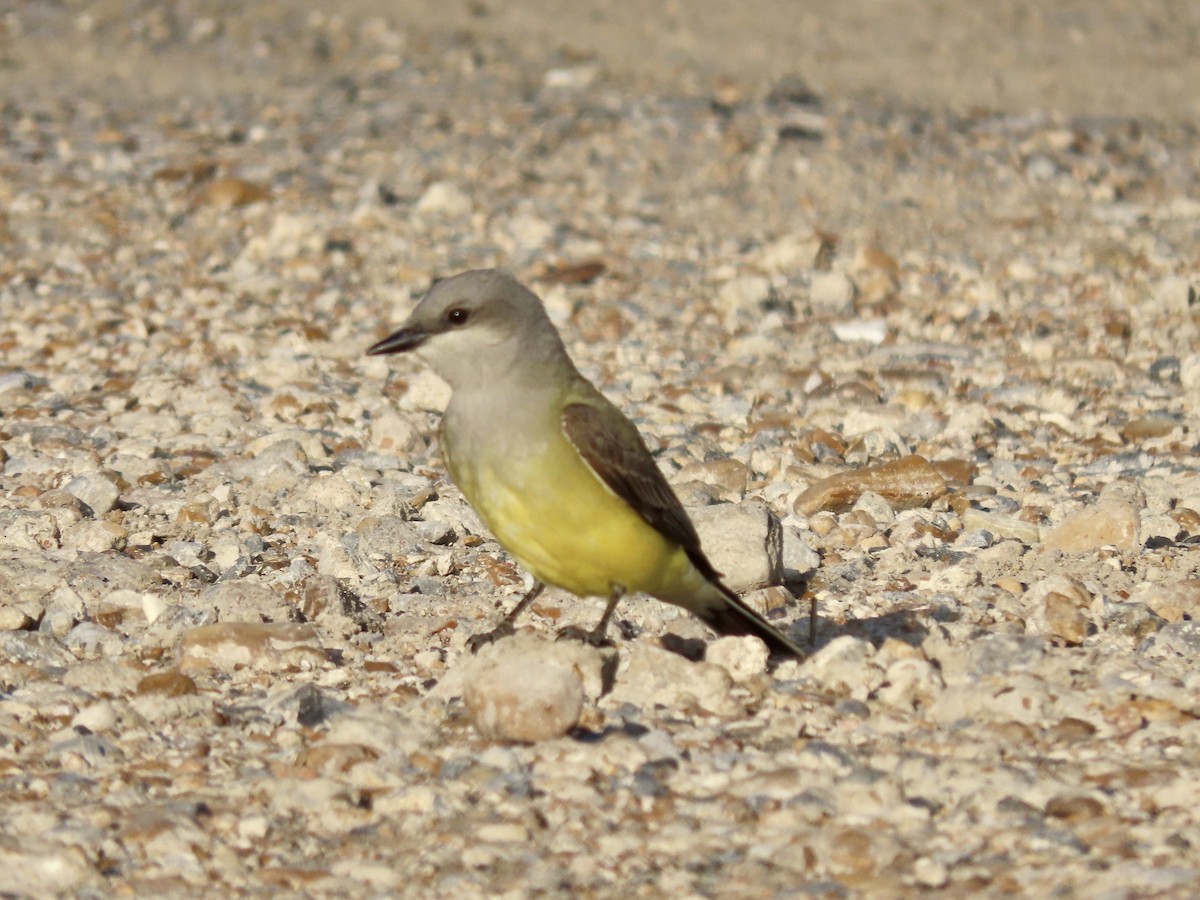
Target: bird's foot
(593, 637)
(477, 641)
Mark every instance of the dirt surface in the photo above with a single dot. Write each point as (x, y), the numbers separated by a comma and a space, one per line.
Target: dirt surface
(1096, 59)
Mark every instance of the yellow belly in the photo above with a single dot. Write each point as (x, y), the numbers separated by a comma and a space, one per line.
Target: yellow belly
(562, 524)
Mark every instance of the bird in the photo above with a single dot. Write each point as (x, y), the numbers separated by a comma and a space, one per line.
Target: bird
(555, 470)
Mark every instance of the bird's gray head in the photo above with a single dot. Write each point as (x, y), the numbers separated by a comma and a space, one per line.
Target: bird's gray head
(477, 327)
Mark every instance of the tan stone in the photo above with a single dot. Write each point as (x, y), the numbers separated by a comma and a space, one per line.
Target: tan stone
(259, 645)
(905, 483)
(1109, 523)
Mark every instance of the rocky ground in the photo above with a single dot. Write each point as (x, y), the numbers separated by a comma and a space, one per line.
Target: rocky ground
(924, 363)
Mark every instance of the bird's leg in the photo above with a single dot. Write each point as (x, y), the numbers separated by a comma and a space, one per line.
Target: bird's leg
(598, 636)
(505, 628)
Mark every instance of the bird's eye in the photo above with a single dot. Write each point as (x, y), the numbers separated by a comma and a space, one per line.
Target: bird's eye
(458, 316)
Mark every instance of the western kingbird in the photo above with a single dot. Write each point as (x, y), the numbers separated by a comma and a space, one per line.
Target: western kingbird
(556, 471)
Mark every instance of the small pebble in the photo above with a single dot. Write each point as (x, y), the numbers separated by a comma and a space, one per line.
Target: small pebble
(513, 695)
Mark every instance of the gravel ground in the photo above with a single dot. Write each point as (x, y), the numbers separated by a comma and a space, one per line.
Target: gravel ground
(919, 344)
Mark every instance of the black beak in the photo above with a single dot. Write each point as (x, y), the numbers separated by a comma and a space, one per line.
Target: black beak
(399, 342)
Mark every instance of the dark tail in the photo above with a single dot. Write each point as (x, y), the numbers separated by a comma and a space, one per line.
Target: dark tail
(735, 617)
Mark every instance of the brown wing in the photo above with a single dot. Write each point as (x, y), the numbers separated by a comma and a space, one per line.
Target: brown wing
(612, 447)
